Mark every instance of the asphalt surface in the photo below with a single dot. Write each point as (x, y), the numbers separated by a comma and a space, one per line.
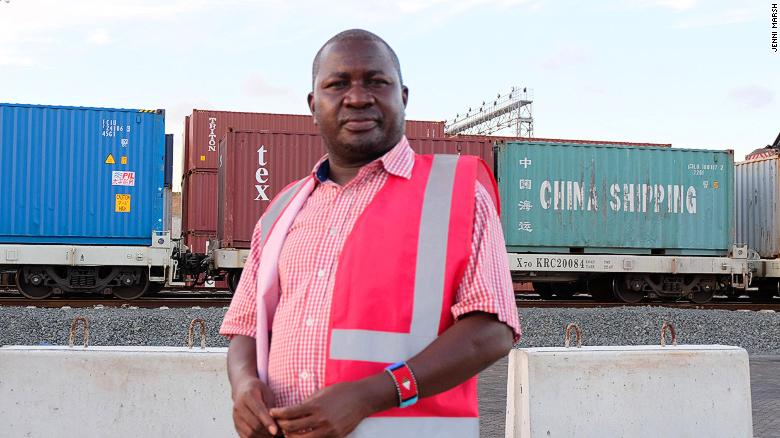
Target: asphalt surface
(764, 386)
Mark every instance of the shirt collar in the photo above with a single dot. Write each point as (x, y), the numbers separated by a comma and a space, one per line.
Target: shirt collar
(398, 161)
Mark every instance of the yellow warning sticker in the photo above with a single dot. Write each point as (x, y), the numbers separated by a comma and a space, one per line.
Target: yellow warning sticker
(714, 184)
(202, 158)
(110, 159)
(123, 159)
(122, 204)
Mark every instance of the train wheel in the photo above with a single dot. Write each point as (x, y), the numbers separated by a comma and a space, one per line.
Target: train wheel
(766, 291)
(702, 296)
(601, 289)
(564, 291)
(32, 284)
(624, 293)
(155, 288)
(233, 277)
(544, 290)
(133, 286)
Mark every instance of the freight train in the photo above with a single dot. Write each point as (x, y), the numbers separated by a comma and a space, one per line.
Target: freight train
(87, 193)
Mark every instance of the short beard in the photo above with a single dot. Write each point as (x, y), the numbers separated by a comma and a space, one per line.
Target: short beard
(370, 147)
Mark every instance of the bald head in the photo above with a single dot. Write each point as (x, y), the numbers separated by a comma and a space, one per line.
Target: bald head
(354, 34)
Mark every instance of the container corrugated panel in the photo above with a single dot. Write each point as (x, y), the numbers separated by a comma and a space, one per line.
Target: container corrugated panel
(198, 242)
(205, 129)
(78, 175)
(480, 147)
(424, 129)
(256, 166)
(612, 199)
(758, 205)
(199, 201)
(495, 138)
(168, 160)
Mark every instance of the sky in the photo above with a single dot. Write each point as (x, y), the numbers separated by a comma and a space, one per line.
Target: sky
(693, 73)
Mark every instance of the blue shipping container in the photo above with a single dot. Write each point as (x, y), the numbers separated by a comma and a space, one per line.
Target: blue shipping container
(578, 198)
(76, 175)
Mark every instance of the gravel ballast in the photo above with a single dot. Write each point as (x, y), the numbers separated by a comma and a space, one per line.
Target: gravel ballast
(757, 332)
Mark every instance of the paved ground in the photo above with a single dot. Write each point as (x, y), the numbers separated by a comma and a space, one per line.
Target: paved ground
(764, 383)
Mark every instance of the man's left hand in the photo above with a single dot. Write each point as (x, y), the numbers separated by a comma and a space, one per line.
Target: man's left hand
(332, 412)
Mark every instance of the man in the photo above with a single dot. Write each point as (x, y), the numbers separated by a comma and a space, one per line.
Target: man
(380, 256)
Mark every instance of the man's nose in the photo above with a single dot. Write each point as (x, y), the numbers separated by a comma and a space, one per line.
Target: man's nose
(358, 97)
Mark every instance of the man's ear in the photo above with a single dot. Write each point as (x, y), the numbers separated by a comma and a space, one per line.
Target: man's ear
(404, 94)
(310, 100)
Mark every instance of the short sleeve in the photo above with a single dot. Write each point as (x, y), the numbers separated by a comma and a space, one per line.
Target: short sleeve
(241, 317)
(487, 282)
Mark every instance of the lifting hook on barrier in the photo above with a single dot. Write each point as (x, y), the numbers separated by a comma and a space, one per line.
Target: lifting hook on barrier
(202, 324)
(672, 331)
(74, 327)
(577, 333)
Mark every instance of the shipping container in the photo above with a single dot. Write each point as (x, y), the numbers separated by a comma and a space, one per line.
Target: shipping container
(758, 205)
(255, 167)
(496, 138)
(481, 147)
(580, 198)
(78, 175)
(205, 128)
(199, 202)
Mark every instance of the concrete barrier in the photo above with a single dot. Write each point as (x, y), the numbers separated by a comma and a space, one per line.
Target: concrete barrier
(638, 391)
(114, 392)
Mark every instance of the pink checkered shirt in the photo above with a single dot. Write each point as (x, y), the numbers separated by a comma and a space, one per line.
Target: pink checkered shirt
(308, 264)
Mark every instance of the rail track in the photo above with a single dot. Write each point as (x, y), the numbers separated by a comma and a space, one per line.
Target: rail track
(177, 299)
(181, 299)
(587, 302)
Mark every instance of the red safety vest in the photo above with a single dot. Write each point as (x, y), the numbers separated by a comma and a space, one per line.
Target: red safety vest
(398, 276)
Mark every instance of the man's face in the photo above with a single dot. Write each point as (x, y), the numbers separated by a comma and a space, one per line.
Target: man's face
(358, 100)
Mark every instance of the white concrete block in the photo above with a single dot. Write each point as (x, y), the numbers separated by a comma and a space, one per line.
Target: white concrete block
(114, 392)
(636, 391)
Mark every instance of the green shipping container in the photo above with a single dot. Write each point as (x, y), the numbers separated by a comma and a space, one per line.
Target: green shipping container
(581, 198)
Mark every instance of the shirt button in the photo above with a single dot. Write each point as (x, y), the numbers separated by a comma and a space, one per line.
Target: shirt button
(333, 231)
(321, 273)
(303, 375)
(310, 322)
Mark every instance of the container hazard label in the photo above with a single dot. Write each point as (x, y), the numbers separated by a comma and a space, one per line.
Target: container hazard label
(121, 178)
(122, 204)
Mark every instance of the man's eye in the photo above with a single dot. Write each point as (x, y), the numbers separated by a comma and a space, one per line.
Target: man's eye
(336, 84)
(378, 81)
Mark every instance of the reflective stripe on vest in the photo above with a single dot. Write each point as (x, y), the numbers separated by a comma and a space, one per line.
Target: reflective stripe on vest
(428, 427)
(387, 347)
(276, 208)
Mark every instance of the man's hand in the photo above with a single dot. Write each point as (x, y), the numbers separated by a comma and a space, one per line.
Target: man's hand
(251, 397)
(335, 411)
(252, 400)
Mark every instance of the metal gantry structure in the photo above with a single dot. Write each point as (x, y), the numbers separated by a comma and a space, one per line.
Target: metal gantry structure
(511, 110)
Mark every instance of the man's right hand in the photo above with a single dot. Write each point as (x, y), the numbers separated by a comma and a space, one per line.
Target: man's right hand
(252, 400)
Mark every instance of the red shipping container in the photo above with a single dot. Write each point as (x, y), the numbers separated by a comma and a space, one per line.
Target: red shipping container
(205, 128)
(199, 202)
(559, 140)
(198, 242)
(258, 165)
(479, 146)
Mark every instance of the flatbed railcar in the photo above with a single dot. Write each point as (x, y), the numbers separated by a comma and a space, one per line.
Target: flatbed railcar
(613, 220)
